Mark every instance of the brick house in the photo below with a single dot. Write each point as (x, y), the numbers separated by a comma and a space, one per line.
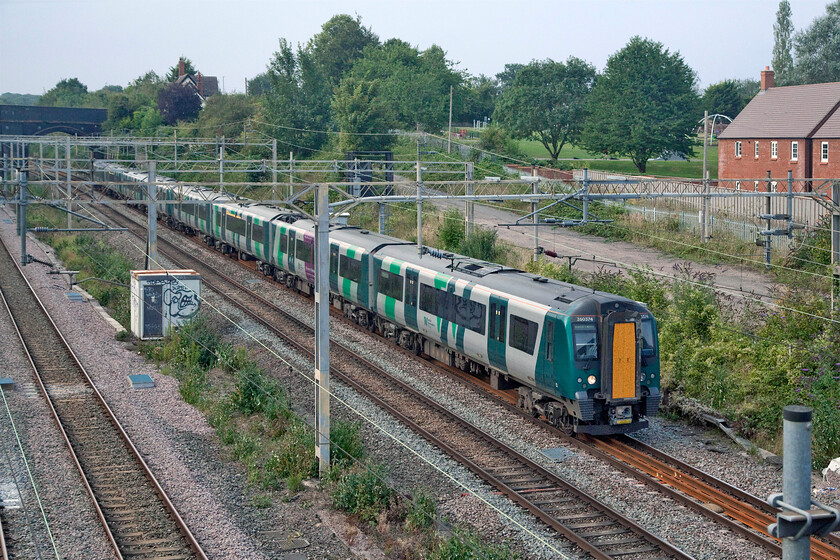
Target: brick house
(793, 128)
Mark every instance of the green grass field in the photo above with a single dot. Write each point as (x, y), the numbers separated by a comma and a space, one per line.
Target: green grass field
(692, 169)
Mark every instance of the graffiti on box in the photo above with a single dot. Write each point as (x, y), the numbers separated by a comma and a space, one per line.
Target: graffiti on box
(181, 300)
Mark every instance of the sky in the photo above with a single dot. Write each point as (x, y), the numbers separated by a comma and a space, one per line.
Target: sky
(112, 42)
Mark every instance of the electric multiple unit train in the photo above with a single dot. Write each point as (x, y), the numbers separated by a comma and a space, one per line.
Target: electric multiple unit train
(587, 361)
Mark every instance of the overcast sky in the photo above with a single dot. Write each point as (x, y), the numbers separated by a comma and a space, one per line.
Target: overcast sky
(103, 42)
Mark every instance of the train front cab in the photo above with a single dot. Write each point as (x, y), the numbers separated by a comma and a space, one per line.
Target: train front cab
(610, 383)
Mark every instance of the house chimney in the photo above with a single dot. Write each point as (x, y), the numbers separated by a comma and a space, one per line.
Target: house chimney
(182, 69)
(200, 84)
(768, 78)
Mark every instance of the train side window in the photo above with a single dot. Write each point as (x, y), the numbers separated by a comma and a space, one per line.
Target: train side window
(236, 225)
(498, 318)
(390, 284)
(284, 243)
(428, 299)
(411, 290)
(350, 269)
(523, 333)
(549, 341)
(188, 208)
(586, 341)
(469, 314)
(220, 218)
(333, 260)
(258, 233)
(648, 340)
(304, 251)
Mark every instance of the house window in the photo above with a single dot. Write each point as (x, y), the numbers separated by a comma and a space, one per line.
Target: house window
(774, 150)
(738, 149)
(737, 185)
(824, 152)
(794, 151)
(756, 149)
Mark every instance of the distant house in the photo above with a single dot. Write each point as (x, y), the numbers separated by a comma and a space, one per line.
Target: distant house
(204, 86)
(793, 128)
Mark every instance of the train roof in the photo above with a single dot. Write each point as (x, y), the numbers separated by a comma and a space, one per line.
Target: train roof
(546, 291)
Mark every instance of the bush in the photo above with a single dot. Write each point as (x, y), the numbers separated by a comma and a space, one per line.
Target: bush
(293, 455)
(464, 545)
(363, 493)
(480, 245)
(421, 513)
(451, 232)
(347, 446)
(498, 141)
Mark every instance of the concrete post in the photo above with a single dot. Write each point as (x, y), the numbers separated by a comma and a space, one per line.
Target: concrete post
(790, 202)
(291, 175)
(419, 206)
(469, 211)
(69, 173)
(322, 329)
(274, 169)
(23, 195)
(796, 481)
(222, 165)
(767, 239)
(151, 252)
(382, 228)
(175, 146)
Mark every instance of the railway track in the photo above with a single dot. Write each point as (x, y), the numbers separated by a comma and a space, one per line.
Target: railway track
(138, 517)
(741, 512)
(592, 526)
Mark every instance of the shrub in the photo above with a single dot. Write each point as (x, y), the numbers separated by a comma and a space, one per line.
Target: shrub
(480, 245)
(451, 232)
(463, 545)
(293, 455)
(347, 446)
(363, 493)
(421, 513)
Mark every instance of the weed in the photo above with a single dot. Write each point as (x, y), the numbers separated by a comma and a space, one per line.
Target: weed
(294, 482)
(421, 513)
(465, 545)
(363, 493)
(261, 501)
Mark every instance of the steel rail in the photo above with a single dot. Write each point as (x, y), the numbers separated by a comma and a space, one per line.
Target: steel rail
(183, 259)
(171, 510)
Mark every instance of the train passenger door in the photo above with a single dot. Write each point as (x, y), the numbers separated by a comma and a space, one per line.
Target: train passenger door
(291, 249)
(546, 362)
(497, 333)
(333, 267)
(412, 286)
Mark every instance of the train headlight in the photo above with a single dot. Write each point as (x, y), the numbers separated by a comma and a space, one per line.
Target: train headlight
(591, 380)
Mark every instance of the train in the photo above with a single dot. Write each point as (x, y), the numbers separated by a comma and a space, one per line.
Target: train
(587, 361)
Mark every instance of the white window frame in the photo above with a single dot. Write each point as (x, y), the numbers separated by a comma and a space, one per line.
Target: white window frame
(738, 149)
(756, 149)
(794, 151)
(824, 152)
(737, 185)
(774, 150)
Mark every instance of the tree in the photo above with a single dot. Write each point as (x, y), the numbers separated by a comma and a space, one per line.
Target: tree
(415, 83)
(225, 114)
(818, 49)
(507, 75)
(339, 44)
(173, 73)
(724, 98)
(782, 32)
(643, 105)
(480, 96)
(178, 103)
(547, 101)
(66, 93)
(296, 106)
(363, 117)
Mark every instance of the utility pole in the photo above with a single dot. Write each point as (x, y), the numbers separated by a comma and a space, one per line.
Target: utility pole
(69, 172)
(23, 195)
(222, 165)
(534, 209)
(419, 205)
(274, 169)
(835, 246)
(151, 249)
(449, 135)
(469, 211)
(322, 328)
(705, 210)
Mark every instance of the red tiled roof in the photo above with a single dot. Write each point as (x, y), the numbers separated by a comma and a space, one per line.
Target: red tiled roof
(787, 112)
(831, 127)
